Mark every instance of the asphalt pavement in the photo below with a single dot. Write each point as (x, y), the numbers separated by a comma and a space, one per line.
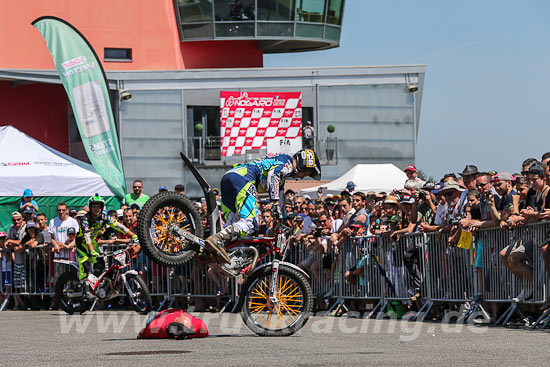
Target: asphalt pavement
(52, 338)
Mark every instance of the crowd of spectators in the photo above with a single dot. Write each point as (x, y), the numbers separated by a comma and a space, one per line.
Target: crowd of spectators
(320, 226)
(463, 202)
(34, 241)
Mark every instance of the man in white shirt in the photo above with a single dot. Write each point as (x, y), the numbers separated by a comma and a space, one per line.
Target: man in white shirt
(58, 228)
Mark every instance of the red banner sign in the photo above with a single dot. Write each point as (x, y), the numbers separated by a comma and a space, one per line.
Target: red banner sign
(250, 119)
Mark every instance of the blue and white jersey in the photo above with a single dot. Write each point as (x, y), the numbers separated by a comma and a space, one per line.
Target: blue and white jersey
(267, 173)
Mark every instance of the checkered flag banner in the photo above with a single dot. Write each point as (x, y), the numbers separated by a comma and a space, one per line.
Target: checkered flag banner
(254, 120)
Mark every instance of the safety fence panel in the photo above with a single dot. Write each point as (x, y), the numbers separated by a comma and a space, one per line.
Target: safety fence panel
(449, 270)
(519, 248)
(359, 260)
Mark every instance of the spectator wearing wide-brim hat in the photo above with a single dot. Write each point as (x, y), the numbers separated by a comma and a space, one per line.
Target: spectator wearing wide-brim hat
(451, 191)
(469, 175)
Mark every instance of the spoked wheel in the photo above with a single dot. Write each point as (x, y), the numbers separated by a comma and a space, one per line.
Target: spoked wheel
(158, 216)
(285, 316)
(141, 301)
(68, 294)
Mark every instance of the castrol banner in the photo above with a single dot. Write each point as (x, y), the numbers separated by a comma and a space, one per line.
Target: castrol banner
(260, 120)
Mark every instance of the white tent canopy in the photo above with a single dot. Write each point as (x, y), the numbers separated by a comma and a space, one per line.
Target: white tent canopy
(367, 177)
(28, 163)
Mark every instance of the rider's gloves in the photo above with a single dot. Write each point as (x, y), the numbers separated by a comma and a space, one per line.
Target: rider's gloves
(94, 253)
(135, 239)
(276, 211)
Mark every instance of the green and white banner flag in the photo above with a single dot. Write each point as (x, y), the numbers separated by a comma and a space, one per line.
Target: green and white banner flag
(85, 82)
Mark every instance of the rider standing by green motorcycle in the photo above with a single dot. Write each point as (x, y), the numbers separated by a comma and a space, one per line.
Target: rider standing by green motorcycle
(87, 249)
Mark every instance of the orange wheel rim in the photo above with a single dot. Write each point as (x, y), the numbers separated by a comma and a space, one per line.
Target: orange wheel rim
(281, 314)
(163, 219)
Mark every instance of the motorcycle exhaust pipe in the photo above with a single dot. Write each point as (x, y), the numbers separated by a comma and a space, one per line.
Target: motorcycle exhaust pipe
(254, 260)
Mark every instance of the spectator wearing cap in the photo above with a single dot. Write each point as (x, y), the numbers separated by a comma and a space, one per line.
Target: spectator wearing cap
(469, 175)
(412, 173)
(163, 188)
(137, 196)
(28, 202)
(451, 191)
(28, 214)
(308, 135)
(73, 213)
(70, 243)
(530, 200)
(289, 195)
(509, 199)
(350, 187)
(180, 189)
(6, 264)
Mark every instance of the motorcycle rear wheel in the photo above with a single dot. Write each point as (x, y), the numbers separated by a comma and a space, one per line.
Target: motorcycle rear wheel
(158, 215)
(285, 317)
(66, 283)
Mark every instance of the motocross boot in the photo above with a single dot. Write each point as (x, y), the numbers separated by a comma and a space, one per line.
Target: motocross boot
(86, 289)
(218, 241)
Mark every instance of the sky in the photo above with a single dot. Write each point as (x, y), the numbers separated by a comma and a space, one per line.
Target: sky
(486, 98)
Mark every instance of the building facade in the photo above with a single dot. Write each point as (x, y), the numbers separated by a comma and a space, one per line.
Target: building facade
(175, 57)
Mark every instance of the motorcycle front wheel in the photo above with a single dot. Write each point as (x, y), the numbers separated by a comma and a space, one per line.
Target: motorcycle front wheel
(141, 301)
(158, 216)
(285, 316)
(65, 287)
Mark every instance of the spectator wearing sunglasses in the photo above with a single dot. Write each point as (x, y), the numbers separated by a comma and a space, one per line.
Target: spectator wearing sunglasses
(136, 197)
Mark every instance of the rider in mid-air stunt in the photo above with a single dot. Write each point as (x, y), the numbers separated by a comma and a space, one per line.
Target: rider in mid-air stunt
(239, 188)
(87, 249)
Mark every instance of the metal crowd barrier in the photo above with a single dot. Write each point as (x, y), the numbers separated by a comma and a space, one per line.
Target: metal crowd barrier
(391, 270)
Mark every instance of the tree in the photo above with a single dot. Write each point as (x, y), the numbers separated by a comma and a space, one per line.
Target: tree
(421, 175)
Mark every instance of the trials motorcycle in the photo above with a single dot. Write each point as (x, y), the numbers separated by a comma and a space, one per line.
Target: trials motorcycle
(70, 296)
(276, 298)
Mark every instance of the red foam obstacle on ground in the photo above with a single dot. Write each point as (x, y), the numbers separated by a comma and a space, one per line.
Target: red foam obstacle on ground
(174, 324)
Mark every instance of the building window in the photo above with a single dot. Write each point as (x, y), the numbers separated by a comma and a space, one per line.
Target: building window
(278, 10)
(118, 54)
(234, 10)
(311, 11)
(192, 11)
(334, 13)
(203, 133)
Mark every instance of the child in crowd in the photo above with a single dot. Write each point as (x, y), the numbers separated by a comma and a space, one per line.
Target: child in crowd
(27, 201)
(69, 244)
